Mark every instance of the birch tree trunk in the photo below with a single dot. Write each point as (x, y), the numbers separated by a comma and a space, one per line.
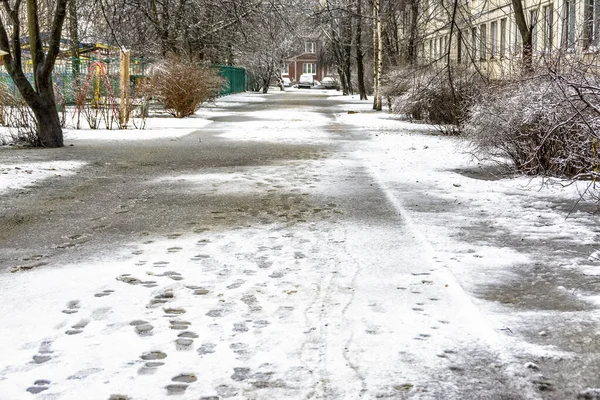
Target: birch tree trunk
(377, 56)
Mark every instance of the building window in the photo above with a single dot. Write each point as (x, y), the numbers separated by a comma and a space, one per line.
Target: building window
(591, 23)
(548, 22)
(435, 50)
(309, 68)
(533, 17)
(285, 70)
(482, 42)
(494, 39)
(502, 37)
(310, 47)
(568, 36)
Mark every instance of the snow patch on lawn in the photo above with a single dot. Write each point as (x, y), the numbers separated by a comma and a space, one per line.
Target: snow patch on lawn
(22, 175)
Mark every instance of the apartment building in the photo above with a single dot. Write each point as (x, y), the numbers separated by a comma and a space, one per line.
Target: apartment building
(486, 33)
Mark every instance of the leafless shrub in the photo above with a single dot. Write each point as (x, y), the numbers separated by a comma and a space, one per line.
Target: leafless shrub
(183, 86)
(139, 105)
(18, 117)
(437, 96)
(544, 125)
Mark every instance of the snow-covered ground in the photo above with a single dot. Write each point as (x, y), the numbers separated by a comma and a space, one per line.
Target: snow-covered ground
(333, 309)
(17, 176)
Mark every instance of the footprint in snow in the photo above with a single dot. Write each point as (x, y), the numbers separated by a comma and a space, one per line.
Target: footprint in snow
(179, 325)
(176, 388)
(153, 356)
(149, 284)
(78, 327)
(185, 378)
(240, 327)
(142, 328)
(127, 278)
(183, 343)
(207, 348)
(422, 336)
(201, 292)
(225, 391)
(260, 324)
(277, 274)
(173, 311)
(160, 264)
(174, 249)
(72, 307)
(217, 313)
(240, 348)
(236, 284)
(161, 298)
(43, 353)
(104, 293)
(150, 367)
(39, 386)
(176, 276)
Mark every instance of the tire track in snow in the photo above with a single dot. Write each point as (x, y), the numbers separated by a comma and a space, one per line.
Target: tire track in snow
(326, 316)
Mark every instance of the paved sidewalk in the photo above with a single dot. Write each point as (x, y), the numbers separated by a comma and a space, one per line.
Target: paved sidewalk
(287, 252)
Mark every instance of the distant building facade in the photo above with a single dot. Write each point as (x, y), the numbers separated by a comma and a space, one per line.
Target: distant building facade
(306, 62)
(486, 33)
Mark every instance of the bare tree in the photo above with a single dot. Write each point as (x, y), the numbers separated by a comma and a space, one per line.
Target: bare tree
(266, 38)
(39, 95)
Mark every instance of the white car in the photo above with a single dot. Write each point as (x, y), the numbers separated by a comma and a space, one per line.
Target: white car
(286, 81)
(306, 81)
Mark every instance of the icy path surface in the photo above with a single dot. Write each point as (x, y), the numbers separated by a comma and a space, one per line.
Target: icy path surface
(335, 274)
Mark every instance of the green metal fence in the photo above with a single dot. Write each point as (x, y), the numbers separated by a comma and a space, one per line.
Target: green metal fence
(235, 77)
(140, 70)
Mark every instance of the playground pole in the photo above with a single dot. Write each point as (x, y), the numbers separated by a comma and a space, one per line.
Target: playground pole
(124, 104)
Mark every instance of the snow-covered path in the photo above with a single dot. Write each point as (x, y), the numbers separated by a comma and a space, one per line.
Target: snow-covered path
(292, 254)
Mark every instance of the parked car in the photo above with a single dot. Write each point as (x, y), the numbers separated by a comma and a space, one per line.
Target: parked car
(286, 81)
(306, 81)
(329, 82)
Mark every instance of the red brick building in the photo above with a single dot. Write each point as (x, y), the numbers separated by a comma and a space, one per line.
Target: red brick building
(305, 63)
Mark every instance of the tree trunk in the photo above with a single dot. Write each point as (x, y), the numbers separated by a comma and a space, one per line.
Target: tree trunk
(347, 52)
(375, 53)
(48, 123)
(526, 35)
(412, 40)
(360, 67)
